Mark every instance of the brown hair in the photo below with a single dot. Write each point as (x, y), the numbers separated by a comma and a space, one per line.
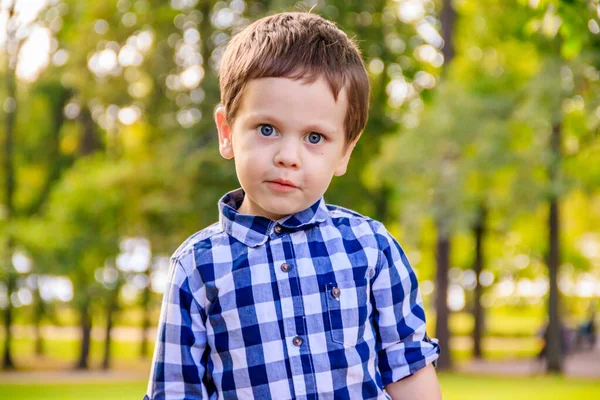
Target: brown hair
(296, 45)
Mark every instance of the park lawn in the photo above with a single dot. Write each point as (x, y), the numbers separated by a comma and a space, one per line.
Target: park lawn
(499, 323)
(454, 387)
(87, 391)
(477, 387)
(68, 350)
(62, 354)
(506, 321)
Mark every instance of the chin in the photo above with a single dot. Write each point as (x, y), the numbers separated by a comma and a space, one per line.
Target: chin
(283, 209)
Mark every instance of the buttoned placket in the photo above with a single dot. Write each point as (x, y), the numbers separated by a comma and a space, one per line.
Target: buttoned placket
(296, 338)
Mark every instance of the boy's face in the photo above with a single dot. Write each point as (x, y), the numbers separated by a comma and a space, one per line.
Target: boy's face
(288, 141)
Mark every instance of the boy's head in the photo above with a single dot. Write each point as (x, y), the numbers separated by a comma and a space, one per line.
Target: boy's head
(294, 101)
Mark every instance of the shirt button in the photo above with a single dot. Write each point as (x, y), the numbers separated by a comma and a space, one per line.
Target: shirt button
(297, 341)
(278, 228)
(335, 292)
(285, 267)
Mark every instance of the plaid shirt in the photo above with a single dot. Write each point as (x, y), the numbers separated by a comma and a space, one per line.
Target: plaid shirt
(320, 304)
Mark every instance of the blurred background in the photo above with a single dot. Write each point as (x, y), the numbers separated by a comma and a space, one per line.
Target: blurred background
(481, 155)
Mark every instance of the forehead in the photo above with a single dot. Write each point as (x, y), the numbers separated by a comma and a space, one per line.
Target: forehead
(295, 102)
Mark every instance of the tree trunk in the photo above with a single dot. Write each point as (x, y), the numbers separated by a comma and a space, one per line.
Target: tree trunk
(145, 322)
(86, 333)
(38, 317)
(554, 350)
(7, 360)
(479, 231)
(9, 188)
(442, 330)
(111, 310)
(89, 141)
(447, 20)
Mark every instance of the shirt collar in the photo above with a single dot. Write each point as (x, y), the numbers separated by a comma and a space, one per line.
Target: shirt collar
(255, 230)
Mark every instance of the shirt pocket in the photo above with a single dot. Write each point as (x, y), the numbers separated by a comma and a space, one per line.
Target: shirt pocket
(347, 310)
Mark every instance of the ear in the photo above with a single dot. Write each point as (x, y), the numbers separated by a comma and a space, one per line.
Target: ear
(225, 146)
(343, 163)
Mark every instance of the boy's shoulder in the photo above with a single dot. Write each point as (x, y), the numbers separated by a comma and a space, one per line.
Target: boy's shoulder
(342, 215)
(193, 240)
(336, 211)
(360, 224)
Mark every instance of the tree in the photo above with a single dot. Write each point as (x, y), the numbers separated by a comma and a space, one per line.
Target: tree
(79, 232)
(17, 27)
(10, 106)
(561, 30)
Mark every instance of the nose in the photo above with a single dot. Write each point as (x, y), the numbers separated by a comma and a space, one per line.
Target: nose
(288, 153)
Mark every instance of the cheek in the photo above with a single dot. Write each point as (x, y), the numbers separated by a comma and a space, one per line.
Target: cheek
(252, 147)
(251, 161)
(318, 175)
(244, 149)
(325, 161)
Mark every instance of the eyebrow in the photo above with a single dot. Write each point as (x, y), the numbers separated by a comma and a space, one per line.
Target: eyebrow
(316, 127)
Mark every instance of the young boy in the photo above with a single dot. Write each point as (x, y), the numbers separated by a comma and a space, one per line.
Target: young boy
(287, 297)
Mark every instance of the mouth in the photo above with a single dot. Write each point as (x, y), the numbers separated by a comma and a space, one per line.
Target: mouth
(282, 185)
(283, 182)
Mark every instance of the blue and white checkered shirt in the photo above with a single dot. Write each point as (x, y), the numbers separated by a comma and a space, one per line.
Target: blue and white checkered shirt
(320, 304)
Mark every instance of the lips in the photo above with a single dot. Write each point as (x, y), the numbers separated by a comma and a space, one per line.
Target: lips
(284, 182)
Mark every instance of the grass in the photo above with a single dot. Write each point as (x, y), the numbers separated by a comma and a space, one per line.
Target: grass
(61, 354)
(504, 321)
(91, 391)
(499, 323)
(454, 387)
(471, 387)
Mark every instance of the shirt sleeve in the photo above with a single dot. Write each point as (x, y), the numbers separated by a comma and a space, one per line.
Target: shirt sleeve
(403, 345)
(179, 361)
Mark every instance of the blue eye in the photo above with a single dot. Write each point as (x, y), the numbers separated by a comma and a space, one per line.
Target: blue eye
(266, 130)
(315, 138)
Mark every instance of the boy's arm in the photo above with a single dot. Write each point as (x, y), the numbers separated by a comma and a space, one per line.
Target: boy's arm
(403, 347)
(179, 361)
(422, 385)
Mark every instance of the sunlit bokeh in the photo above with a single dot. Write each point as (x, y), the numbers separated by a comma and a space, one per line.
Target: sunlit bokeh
(480, 155)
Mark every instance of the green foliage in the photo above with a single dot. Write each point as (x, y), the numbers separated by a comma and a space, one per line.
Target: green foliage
(454, 386)
(479, 134)
(80, 230)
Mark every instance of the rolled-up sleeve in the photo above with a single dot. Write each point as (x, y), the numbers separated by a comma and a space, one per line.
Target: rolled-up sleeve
(399, 318)
(179, 361)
